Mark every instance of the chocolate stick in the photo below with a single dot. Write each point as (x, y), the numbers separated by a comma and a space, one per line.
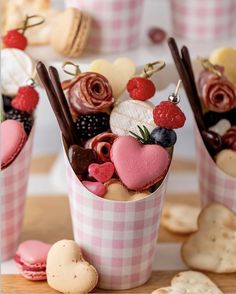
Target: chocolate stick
(63, 103)
(188, 65)
(44, 77)
(186, 82)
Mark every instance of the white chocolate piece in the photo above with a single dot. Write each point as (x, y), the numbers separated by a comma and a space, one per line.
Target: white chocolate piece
(226, 161)
(67, 271)
(190, 282)
(128, 114)
(213, 247)
(16, 69)
(226, 57)
(221, 127)
(117, 73)
(180, 218)
(116, 191)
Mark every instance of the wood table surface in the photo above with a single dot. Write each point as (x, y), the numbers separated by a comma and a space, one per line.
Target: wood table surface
(47, 218)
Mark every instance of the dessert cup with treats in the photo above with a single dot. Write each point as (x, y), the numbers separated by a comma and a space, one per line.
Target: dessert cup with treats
(19, 99)
(115, 199)
(116, 27)
(212, 96)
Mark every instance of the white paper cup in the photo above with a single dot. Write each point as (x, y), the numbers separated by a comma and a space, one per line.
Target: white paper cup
(214, 184)
(117, 237)
(115, 23)
(14, 180)
(203, 20)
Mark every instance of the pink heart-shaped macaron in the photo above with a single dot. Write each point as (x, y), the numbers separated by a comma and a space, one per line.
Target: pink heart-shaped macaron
(13, 138)
(139, 166)
(101, 172)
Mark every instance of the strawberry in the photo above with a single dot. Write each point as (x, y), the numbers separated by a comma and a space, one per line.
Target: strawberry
(141, 88)
(168, 115)
(26, 99)
(15, 39)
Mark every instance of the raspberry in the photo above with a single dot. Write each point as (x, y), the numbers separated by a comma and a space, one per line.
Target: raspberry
(141, 88)
(26, 99)
(23, 117)
(90, 125)
(157, 35)
(15, 39)
(168, 115)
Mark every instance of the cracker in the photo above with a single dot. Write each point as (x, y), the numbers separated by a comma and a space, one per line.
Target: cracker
(213, 247)
(180, 218)
(190, 282)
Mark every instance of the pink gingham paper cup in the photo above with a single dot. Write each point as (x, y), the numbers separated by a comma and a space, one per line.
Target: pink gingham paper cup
(214, 184)
(14, 180)
(115, 23)
(203, 20)
(117, 237)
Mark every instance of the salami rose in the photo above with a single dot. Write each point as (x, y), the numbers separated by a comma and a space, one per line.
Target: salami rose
(217, 93)
(89, 92)
(102, 145)
(229, 138)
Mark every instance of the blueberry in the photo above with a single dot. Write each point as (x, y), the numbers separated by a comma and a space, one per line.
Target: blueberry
(164, 137)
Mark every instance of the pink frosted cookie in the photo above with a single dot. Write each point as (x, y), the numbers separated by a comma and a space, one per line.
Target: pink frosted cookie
(139, 166)
(31, 259)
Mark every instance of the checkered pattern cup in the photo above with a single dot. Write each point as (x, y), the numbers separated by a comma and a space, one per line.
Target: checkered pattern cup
(203, 20)
(14, 181)
(115, 24)
(214, 184)
(117, 237)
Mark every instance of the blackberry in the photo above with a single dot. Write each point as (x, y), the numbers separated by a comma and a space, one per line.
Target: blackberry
(23, 117)
(90, 125)
(6, 103)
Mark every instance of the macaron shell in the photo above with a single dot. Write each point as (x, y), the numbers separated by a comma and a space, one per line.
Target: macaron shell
(139, 166)
(13, 138)
(64, 29)
(16, 68)
(82, 36)
(33, 252)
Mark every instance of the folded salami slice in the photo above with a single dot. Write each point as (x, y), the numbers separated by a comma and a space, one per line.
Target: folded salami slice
(89, 92)
(217, 93)
(102, 145)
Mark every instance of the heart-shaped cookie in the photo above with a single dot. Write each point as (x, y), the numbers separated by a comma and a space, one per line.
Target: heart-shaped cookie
(190, 282)
(226, 57)
(117, 73)
(67, 271)
(101, 172)
(117, 191)
(226, 161)
(139, 166)
(80, 158)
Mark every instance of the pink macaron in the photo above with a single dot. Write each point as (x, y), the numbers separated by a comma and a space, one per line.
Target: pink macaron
(31, 259)
(13, 138)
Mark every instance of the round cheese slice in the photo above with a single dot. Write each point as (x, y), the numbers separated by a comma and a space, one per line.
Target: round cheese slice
(127, 115)
(16, 68)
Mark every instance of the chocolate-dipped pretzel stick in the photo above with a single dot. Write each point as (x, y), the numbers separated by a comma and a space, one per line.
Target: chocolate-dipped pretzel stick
(62, 100)
(184, 67)
(186, 79)
(55, 104)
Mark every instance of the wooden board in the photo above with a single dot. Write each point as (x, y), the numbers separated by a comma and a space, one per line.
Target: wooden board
(15, 284)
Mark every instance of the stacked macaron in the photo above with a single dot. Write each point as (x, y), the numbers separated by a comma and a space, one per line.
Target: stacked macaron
(31, 259)
(70, 32)
(119, 150)
(19, 97)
